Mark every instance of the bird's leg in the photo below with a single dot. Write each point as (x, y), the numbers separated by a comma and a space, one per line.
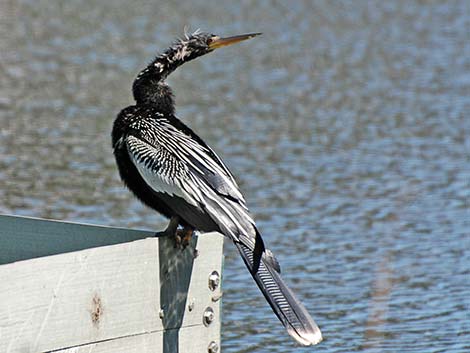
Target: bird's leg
(171, 229)
(183, 237)
(188, 236)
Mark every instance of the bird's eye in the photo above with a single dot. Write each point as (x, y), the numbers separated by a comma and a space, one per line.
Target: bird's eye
(212, 39)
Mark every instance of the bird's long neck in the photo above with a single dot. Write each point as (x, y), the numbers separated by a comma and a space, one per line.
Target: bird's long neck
(150, 87)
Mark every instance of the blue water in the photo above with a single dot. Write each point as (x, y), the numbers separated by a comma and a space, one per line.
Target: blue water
(346, 125)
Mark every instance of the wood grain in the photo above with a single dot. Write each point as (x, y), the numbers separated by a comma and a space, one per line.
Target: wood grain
(144, 295)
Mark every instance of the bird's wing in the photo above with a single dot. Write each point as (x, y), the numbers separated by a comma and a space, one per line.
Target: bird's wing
(174, 162)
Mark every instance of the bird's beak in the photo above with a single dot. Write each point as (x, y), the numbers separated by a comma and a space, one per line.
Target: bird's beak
(218, 42)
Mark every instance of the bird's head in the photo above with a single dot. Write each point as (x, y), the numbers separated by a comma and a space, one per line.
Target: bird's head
(201, 43)
(149, 86)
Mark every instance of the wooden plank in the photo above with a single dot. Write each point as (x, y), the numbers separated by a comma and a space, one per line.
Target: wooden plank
(111, 293)
(191, 340)
(145, 343)
(25, 238)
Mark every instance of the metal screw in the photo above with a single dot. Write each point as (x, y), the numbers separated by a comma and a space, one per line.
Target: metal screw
(214, 280)
(213, 347)
(208, 316)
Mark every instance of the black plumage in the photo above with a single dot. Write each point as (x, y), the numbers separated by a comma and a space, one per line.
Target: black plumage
(170, 169)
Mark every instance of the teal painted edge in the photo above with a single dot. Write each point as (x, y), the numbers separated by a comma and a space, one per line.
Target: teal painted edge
(23, 238)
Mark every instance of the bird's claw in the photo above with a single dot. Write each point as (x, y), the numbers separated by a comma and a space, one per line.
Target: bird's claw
(183, 238)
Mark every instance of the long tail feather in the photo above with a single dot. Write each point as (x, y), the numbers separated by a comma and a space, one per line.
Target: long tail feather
(266, 272)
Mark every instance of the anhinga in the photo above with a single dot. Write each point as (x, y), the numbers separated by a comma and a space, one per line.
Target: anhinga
(170, 169)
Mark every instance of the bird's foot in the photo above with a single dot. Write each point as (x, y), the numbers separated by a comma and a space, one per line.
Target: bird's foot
(183, 237)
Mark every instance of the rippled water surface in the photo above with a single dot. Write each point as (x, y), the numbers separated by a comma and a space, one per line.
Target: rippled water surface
(346, 123)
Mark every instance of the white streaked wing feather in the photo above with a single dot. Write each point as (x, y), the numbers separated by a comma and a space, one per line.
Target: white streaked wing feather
(140, 153)
(171, 168)
(197, 152)
(233, 216)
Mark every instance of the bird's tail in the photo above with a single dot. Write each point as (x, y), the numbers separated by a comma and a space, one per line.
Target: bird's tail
(266, 271)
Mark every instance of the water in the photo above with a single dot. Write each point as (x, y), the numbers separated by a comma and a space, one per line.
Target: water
(346, 124)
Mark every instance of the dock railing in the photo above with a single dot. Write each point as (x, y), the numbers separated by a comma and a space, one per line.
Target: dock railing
(69, 287)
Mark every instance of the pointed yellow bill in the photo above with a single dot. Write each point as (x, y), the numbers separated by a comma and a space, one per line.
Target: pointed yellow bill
(218, 42)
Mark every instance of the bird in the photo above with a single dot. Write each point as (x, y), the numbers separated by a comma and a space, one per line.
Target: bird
(170, 169)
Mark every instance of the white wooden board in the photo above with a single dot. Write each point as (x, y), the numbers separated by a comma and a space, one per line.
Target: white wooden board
(116, 298)
(191, 339)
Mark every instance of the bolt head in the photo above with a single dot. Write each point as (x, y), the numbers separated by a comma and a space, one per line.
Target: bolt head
(213, 347)
(214, 280)
(208, 316)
